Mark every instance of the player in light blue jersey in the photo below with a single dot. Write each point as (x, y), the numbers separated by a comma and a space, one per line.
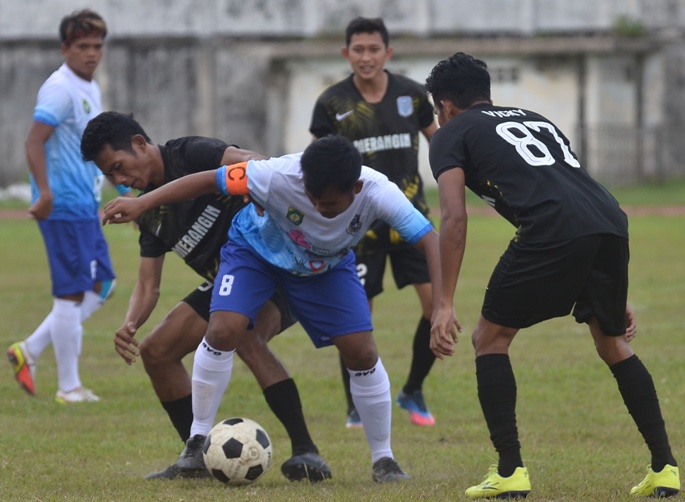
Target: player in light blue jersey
(310, 210)
(65, 200)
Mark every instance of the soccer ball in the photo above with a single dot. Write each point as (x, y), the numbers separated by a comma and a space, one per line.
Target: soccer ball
(237, 451)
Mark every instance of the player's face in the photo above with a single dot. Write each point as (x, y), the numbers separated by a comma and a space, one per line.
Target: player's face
(125, 168)
(367, 55)
(83, 56)
(332, 201)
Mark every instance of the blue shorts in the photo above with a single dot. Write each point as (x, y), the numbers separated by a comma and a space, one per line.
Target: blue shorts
(326, 305)
(77, 254)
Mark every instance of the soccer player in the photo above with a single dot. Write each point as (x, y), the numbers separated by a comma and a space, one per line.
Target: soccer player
(570, 253)
(309, 211)
(65, 200)
(383, 113)
(195, 230)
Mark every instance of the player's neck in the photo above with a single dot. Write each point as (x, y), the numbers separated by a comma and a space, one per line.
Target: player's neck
(372, 90)
(157, 178)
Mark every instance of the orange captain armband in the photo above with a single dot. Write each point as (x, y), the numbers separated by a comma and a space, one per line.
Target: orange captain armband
(235, 179)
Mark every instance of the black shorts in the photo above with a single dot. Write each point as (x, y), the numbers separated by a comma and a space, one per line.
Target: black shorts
(534, 283)
(409, 266)
(200, 298)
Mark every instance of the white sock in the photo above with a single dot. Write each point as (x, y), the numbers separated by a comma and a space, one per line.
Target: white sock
(212, 370)
(66, 332)
(39, 340)
(370, 391)
(90, 303)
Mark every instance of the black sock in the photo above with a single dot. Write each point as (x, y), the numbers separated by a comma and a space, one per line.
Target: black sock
(422, 357)
(284, 400)
(180, 413)
(497, 396)
(346, 384)
(639, 395)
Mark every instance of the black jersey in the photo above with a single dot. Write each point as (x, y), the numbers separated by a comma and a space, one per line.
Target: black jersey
(195, 229)
(386, 133)
(521, 163)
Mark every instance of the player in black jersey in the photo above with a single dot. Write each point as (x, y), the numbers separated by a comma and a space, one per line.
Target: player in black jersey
(383, 113)
(195, 230)
(570, 253)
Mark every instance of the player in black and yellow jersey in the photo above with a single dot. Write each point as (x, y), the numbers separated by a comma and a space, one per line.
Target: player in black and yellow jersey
(569, 254)
(382, 114)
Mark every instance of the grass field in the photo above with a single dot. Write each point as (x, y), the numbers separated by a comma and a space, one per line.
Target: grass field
(579, 442)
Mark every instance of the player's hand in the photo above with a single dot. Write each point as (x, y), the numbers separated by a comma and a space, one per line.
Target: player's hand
(247, 199)
(122, 210)
(125, 344)
(42, 208)
(631, 325)
(444, 330)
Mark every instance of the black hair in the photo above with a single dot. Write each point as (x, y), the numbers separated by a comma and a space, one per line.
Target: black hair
(110, 128)
(331, 161)
(81, 24)
(366, 25)
(461, 78)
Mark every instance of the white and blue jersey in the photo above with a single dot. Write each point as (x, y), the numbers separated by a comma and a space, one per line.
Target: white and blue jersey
(294, 236)
(67, 102)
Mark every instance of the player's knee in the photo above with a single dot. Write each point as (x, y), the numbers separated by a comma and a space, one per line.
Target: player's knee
(253, 347)
(153, 354)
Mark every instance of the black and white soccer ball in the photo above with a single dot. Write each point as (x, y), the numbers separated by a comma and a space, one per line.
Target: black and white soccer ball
(237, 451)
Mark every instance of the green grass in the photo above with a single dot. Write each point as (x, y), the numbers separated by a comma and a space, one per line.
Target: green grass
(579, 443)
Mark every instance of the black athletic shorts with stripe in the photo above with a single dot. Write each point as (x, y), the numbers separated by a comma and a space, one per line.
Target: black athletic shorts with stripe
(587, 275)
(200, 298)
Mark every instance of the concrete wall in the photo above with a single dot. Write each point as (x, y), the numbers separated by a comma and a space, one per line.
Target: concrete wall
(248, 71)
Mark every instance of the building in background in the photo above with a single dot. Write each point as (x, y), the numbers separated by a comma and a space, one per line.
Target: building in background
(611, 72)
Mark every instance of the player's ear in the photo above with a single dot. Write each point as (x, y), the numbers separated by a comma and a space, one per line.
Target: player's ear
(389, 53)
(357, 186)
(138, 142)
(345, 52)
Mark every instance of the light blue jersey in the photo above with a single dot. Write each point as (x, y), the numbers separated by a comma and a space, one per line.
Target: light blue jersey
(67, 102)
(294, 236)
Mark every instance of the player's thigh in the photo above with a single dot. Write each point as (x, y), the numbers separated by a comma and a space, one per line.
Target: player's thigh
(181, 330)
(605, 293)
(329, 304)
(243, 284)
(532, 283)
(71, 255)
(104, 271)
(371, 270)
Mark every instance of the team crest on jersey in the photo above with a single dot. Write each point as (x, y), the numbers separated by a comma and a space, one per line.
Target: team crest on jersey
(405, 107)
(295, 216)
(355, 225)
(86, 106)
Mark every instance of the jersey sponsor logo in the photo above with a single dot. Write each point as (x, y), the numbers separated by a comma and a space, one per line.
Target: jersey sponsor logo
(505, 113)
(197, 231)
(295, 216)
(342, 116)
(381, 143)
(405, 106)
(317, 266)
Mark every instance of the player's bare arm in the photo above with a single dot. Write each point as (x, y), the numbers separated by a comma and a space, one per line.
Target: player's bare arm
(35, 156)
(124, 209)
(445, 324)
(141, 304)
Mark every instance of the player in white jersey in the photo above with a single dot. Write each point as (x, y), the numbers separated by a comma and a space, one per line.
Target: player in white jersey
(309, 211)
(65, 200)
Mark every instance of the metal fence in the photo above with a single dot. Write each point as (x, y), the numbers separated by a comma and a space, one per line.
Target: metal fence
(620, 155)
